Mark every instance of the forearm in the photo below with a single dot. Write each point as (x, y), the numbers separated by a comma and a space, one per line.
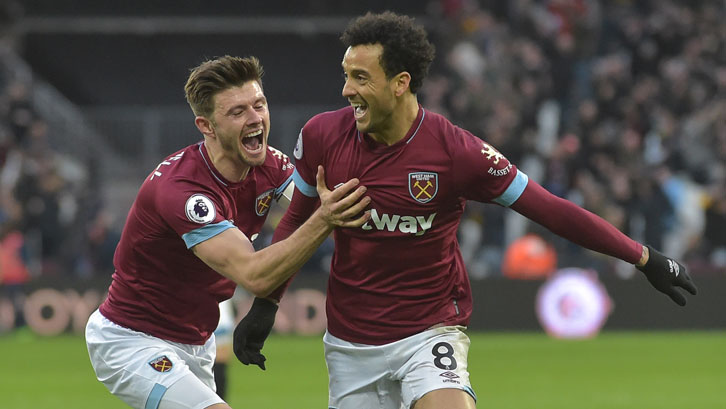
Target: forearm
(299, 210)
(231, 254)
(273, 265)
(576, 224)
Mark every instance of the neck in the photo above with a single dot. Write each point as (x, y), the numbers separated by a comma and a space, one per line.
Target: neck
(229, 168)
(401, 121)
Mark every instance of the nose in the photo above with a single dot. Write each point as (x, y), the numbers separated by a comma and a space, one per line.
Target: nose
(254, 117)
(348, 90)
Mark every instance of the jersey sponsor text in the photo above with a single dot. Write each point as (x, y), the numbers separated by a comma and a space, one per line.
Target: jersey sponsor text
(417, 225)
(499, 172)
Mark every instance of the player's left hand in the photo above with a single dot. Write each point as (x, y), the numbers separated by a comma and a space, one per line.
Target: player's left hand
(665, 274)
(252, 331)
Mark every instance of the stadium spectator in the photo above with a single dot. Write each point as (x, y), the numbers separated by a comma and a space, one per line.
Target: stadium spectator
(529, 257)
(98, 245)
(715, 236)
(398, 297)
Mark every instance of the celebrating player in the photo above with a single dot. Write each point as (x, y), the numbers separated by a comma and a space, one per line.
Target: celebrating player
(187, 244)
(398, 297)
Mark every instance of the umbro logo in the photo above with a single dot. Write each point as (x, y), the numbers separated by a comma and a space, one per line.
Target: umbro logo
(674, 267)
(449, 375)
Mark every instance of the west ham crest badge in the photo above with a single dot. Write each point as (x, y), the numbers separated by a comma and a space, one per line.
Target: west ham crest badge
(161, 364)
(263, 202)
(423, 186)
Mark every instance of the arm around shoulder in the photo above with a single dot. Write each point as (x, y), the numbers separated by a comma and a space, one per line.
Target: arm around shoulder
(231, 254)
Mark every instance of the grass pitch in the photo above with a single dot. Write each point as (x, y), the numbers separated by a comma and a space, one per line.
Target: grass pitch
(623, 370)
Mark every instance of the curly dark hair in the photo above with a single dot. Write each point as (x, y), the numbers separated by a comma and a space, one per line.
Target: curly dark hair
(405, 44)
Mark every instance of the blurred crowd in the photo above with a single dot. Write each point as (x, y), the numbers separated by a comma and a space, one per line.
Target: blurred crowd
(619, 106)
(52, 224)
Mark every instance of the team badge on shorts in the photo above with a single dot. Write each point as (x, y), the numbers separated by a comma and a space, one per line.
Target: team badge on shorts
(161, 364)
(200, 209)
(423, 186)
(263, 202)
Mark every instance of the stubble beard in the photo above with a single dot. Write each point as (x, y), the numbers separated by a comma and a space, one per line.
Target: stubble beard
(233, 147)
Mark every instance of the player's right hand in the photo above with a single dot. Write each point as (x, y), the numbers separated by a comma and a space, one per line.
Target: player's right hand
(665, 274)
(341, 207)
(252, 331)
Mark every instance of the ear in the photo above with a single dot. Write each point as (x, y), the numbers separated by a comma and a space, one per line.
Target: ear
(204, 125)
(401, 83)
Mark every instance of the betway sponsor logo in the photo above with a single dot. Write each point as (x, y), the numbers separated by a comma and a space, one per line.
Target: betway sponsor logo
(405, 224)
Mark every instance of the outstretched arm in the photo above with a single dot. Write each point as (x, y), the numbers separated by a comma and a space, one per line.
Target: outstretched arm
(576, 224)
(582, 227)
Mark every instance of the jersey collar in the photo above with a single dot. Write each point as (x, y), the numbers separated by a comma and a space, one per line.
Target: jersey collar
(412, 132)
(215, 173)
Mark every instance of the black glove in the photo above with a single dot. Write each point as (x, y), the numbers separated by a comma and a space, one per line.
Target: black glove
(665, 274)
(252, 331)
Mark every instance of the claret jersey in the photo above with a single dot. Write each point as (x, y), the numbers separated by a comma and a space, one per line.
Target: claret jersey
(160, 287)
(402, 271)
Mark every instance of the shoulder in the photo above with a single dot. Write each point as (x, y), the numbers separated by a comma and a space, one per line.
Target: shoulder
(323, 131)
(330, 123)
(277, 160)
(438, 130)
(440, 125)
(181, 172)
(189, 165)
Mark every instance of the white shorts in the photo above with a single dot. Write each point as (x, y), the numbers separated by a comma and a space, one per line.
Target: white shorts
(225, 328)
(396, 375)
(150, 373)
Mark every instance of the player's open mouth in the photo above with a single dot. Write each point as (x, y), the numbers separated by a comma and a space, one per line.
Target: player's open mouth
(359, 110)
(252, 142)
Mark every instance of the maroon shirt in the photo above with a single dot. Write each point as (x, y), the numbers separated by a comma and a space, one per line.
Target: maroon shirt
(160, 287)
(402, 271)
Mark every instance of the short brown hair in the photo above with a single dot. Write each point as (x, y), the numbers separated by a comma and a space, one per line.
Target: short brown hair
(219, 74)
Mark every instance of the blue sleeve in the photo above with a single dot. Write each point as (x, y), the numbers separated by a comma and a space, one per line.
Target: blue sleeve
(205, 232)
(304, 187)
(514, 190)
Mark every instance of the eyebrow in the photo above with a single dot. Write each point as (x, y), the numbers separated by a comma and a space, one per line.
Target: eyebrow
(356, 71)
(244, 106)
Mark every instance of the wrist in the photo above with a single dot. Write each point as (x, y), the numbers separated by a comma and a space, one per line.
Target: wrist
(644, 257)
(272, 300)
(264, 303)
(320, 221)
